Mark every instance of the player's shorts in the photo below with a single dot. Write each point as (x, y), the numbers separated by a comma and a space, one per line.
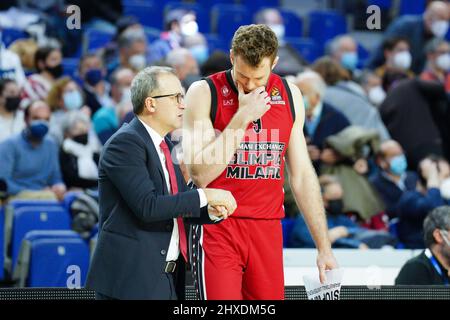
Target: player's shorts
(238, 259)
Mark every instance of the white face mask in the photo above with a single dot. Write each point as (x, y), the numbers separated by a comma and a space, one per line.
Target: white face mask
(445, 189)
(137, 61)
(189, 28)
(278, 29)
(376, 95)
(402, 60)
(126, 95)
(443, 61)
(439, 28)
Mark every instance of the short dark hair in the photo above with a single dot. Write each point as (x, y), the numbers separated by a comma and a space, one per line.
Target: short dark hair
(42, 55)
(390, 43)
(439, 218)
(255, 42)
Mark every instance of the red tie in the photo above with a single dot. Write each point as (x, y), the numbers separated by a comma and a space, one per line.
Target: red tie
(174, 188)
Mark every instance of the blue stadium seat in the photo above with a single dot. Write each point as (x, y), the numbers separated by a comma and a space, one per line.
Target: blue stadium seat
(363, 55)
(383, 4)
(96, 39)
(148, 13)
(293, 23)
(255, 5)
(9, 35)
(30, 218)
(51, 258)
(208, 4)
(287, 225)
(306, 47)
(325, 25)
(415, 7)
(228, 18)
(70, 66)
(202, 14)
(2, 246)
(217, 43)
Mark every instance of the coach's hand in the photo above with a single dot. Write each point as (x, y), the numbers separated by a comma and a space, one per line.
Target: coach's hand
(222, 201)
(254, 104)
(325, 261)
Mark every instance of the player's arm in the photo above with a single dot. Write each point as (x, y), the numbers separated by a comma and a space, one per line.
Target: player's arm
(305, 187)
(205, 154)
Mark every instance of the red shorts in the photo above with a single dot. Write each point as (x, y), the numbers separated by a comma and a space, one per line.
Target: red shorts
(238, 259)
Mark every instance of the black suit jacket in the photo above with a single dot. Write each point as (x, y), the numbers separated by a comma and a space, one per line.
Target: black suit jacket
(136, 219)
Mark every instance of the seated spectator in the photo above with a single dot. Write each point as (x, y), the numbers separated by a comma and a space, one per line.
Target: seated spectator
(108, 119)
(354, 147)
(392, 180)
(418, 30)
(95, 87)
(47, 61)
(438, 63)
(29, 160)
(11, 118)
(343, 50)
(322, 119)
(290, 62)
(342, 231)
(78, 157)
(352, 103)
(416, 114)
(432, 266)
(185, 66)
(198, 46)
(64, 96)
(397, 57)
(372, 85)
(414, 205)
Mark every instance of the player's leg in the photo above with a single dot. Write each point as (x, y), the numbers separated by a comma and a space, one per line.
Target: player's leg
(264, 276)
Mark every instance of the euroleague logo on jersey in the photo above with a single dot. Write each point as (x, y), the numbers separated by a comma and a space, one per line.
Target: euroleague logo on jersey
(275, 96)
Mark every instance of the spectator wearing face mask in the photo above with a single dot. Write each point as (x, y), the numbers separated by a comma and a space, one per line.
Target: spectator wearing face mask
(290, 62)
(342, 231)
(78, 157)
(343, 49)
(95, 87)
(438, 63)
(179, 24)
(109, 118)
(11, 118)
(432, 266)
(29, 160)
(397, 57)
(418, 30)
(414, 205)
(48, 66)
(65, 96)
(372, 85)
(392, 179)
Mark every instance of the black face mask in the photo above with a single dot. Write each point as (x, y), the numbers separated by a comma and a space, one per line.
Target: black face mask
(81, 138)
(55, 71)
(12, 103)
(335, 207)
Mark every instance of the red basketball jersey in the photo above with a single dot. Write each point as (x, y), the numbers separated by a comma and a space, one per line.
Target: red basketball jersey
(255, 175)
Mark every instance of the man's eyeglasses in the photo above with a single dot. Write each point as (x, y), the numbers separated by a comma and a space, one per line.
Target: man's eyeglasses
(178, 96)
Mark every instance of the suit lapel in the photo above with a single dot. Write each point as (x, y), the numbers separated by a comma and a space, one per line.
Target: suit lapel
(151, 149)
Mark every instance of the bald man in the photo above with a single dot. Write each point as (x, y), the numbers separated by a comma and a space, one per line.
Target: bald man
(393, 178)
(418, 30)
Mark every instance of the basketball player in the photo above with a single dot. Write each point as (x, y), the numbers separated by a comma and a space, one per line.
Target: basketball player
(260, 119)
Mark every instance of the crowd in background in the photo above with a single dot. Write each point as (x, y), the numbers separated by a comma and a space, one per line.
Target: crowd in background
(378, 134)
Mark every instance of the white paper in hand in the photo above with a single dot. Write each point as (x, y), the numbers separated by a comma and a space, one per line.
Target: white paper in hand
(330, 290)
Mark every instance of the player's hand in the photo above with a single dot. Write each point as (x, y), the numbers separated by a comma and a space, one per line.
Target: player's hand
(221, 198)
(253, 105)
(325, 261)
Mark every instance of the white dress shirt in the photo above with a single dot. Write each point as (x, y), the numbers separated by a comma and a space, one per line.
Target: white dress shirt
(174, 247)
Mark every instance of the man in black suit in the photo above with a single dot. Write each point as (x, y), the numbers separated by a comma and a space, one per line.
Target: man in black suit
(143, 195)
